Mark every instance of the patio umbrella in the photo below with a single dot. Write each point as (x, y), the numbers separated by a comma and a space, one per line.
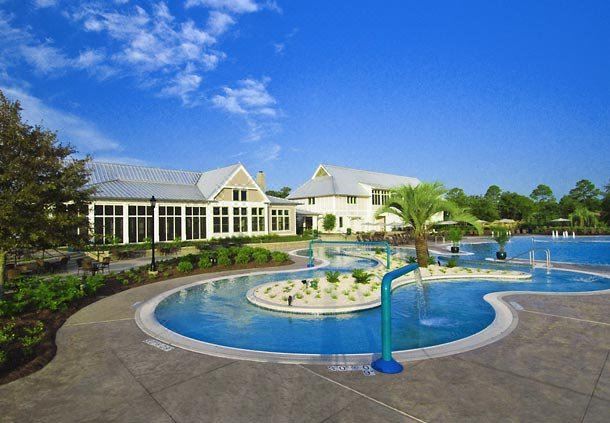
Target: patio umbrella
(481, 221)
(561, 219)
(508, 221)
(446, 222)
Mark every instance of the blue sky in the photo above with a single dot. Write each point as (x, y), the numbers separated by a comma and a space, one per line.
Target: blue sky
(468, 93)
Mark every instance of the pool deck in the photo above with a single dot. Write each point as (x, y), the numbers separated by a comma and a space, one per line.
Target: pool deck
(553, 367)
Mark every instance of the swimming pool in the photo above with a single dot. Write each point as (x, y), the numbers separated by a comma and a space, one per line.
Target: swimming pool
(593, 250)
(435, 313)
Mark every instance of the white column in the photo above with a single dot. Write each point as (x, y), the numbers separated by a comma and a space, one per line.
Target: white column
(209, 221)
(125, 223)
(156, 223)
(231, 228)
(183, 222)
(91, 220)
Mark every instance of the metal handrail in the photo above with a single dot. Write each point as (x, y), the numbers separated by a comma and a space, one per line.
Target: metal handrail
(387, 364)
(532, 259)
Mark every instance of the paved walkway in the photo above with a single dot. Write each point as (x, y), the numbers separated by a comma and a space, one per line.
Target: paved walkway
(554, 367)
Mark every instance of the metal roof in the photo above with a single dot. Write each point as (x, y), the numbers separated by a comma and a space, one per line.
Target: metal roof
(144, 190)
(123, 181)
(281, 201)
(347, 181)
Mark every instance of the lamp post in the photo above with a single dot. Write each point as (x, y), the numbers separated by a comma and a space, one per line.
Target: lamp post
(153, 264)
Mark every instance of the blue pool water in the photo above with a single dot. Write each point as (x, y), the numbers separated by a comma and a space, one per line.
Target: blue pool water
(219, 313)
(581, 250)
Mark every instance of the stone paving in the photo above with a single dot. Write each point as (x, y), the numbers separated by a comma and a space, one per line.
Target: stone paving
(553, 367)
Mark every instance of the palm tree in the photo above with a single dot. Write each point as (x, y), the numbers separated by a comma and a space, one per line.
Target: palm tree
(415, 205)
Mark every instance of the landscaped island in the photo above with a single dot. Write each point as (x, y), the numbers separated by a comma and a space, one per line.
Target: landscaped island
(360, 290)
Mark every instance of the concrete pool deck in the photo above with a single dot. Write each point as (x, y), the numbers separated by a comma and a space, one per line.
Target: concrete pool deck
(554, 366)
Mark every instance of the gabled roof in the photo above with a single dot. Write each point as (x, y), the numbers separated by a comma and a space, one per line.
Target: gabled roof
(113, 180)
(339, 180)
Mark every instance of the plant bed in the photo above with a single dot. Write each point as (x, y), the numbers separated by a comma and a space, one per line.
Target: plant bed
(34, 309)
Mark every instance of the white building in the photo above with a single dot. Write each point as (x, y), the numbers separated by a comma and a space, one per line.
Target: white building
(219, 203)
(352, 195)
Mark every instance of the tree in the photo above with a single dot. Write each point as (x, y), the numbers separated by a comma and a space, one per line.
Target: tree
(493, 194)
(328, 222)
(42, 187)
(416, 205)
(547, 208)
(458, 197)
(542, 193)
(484, 208)
(282, 193)
(515, 206)
(605, 212)
(587, 194)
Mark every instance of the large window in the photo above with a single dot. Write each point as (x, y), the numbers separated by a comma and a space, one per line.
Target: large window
(240, 195)
(195, 223)
(108, 223)
(280, 220)
(221, 220)
(240, 219)
(170, 223)
(380, 197)
(140, 223)
(258, 219)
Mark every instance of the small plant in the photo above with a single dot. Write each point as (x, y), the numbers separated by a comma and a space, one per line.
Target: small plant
(261, 256)
(314, 283)
(367, 294)
(351, 298)
(501, 237)
(267, 290)
(299, 295)
(332, 276)
(328, 290)
(318, 296)
(308, 291)
(455, 235)
(452, 262)
(279, 257)
(185, 266)
(411, 260)
(361, 276)
(334, 296)
(7, 333)
(272, 295)
(431, 260)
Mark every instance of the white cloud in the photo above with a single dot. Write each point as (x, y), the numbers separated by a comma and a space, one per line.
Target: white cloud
(251, 100)
(219, 22)
(155, 48)
(235, 6)
(44, 3)
(83, 134)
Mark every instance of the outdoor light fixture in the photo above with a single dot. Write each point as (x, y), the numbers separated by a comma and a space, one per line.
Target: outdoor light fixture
(153, 264)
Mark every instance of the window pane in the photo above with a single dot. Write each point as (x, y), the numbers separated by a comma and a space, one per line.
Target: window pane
(98, 210)
(235, 195)
(244, 195)
(132, 210)
(118, 210)
(118, 228)
(132, 229)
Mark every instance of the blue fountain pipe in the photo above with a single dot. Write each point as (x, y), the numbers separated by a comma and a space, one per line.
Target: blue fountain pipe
(384, 244)
(387, 364)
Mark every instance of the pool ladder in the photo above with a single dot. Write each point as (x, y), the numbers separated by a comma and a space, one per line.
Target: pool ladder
(532, 257)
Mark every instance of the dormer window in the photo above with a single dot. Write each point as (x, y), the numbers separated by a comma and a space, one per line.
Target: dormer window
(351, 200)
(311, 200)
(240, 195)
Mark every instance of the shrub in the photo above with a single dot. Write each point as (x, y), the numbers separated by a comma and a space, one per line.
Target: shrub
(33, 336)
(185, 266)
(432, 260)
(93, 283)
(348, 231)
(314, 283)
(455, 235)
(223, 257)
(411, 260)
(204, 261)
(332, 276)
(7, 333)
(242, 257)
(261, 256)
(279, 257)
(329, 221)
(452, 262)
(361, 276)
(379, 250)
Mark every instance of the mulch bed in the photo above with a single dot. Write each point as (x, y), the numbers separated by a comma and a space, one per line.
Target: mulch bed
(24, 364)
